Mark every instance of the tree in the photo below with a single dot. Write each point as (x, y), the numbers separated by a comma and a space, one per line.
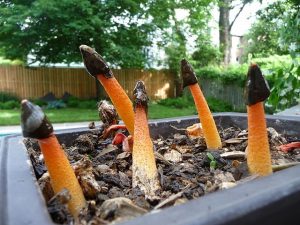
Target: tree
(264, 35)
(51, 31)
(206, 53)
(278, 31)
(225, 26)
(177, 33)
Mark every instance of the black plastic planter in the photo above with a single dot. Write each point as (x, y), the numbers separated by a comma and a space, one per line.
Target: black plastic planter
(270, 200)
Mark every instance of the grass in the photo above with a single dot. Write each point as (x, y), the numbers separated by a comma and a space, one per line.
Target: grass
(12, 117)
(157, 111)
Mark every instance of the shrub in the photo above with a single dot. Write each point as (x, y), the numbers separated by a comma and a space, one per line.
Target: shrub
(4, 61)
(72, 103)
(39, 102)
(11, 104)
(87, 104)
(180, 102)
(233, 73)
(237, 73)
(5, 96)
(57, 104)
(217, 105)
(285, 90)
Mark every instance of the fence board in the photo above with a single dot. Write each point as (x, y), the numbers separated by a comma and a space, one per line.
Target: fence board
(230, 93)
(36, 82)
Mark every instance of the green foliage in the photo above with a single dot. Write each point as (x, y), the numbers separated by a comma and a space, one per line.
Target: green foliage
(11, 104)
(174, 32)
(10, 62)
(281, 72)
(231, 74)
(217, 105)
(262, 37)
(122, 31)
(39, 102)
(57, 104)
(180, 102)
(274, 62)
(237, 73)
(74, 102)
(213, 162)
(286, 88)
(51, 31)
(5, 96)
(277, 30)
(205, 54)
(88, 104)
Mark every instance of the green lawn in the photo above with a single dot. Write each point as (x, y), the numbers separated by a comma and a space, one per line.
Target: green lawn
(12, 117)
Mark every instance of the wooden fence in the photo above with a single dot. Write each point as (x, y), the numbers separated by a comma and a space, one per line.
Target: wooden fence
(36, 82)
(230, 93)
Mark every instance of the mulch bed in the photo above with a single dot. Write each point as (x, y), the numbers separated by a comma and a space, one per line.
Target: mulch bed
(187, 170)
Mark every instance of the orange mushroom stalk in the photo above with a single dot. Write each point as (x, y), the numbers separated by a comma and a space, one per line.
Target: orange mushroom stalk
(256, 91)
(98, 68)
(210, 132)
(36, 125)
(144, 171)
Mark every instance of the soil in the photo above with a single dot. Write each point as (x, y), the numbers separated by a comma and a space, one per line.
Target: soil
(187, 170)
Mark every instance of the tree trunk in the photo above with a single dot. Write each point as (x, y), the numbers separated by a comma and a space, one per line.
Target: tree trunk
(224, 30)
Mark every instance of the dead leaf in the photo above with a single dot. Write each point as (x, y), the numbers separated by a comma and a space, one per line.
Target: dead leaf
(108, 149)
(120, 208)
(173, 156)
(169, 200)
(233, 155)
(234, 141)
(123, 155)
(195, 130)
(162, 159)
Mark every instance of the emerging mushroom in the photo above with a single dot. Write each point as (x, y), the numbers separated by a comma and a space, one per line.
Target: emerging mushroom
(256, 91)
(144, 171)
(35, 124)
(98, 68)
(107, 114)
(210, 132)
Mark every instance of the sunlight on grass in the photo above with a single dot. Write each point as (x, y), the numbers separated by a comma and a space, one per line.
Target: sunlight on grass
(9, 114)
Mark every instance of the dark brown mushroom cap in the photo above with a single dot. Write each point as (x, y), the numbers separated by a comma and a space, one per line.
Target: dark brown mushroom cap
(257, 88)
(140, 95)
(107, 113)
(34, 122)
(187, 73)
(94, 63)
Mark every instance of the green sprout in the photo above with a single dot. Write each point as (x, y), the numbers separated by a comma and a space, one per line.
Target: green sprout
(213, 162)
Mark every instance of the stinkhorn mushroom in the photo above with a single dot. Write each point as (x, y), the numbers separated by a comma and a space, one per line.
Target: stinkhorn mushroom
(144, 171)
(210, 132)
(98, 68)
(256, 91)
(107, 114)
(36, 125)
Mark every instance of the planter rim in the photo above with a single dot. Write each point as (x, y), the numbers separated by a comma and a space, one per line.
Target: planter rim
(22, 202)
